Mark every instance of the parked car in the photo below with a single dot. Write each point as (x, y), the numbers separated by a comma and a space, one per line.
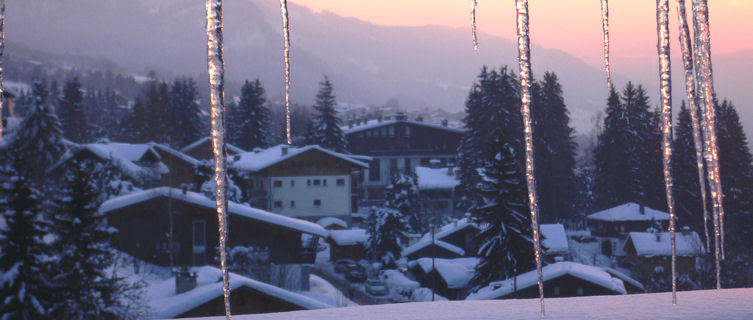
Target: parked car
(375, 287)
(343, 265)
(356, 273)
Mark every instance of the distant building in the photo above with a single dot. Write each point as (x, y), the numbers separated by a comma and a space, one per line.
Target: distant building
(446, 277)
(202, 149)
(331, 223)
(611, 226)
(436, 190)
(398, 144)
(303, 182)
(347, 244)
(554, 241)
(452, 240)
(645, 251)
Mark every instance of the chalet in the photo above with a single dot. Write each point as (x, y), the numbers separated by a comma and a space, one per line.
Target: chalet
(398, 144)
(561, 279)
(446, 277)
(554, 241)
(331, 223)
(436, 190)
(611, 226)
(303, 182)
(198, 293)
(202, 149)
(452, 240)
(647, 250)
(347, 244)
(143, 220)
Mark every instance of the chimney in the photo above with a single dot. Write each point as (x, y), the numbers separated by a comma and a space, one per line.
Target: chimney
(284, 150)
(185, 280)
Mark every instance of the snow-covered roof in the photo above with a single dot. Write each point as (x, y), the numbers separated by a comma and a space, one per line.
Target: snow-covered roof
(175, 153)
(201, 200)
(455, 272)
(629, 212)
(624, 277)
(331, 221)
(375, 123)
(348, 237)
(588, 273)
(436, 178)
(425, 243)
(554, 238)
(122, 155)
(659, 244)
(450, 228)
(256, 161)
(164, 303)
(199, 142)
(396, 279)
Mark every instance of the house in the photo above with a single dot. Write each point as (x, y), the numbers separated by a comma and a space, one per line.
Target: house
(648, 250)
(452, 240)
(436, 190)
(446, 277)
(561, 279)
(308, 182)
(347, 244)
(331, 223)
(398, 145)
(202, 149)
(144, 219)
(198, 293)
(611, 226)
(554, 241)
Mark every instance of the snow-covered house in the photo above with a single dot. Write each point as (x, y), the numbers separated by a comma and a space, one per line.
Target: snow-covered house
(561, 279)
(452, 240)
(198, 293)
(143, 220)
(446, 277)
(202, 149)
(612, 225)
(347, 244)
(436, 190)
(308, 182)
(398, 144)
(331, 223)
(648, 250)
(554, 241)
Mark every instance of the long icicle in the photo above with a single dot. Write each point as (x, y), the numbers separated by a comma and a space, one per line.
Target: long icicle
(216, 71)
(687, 62)
(2, 54)
(605, 36)
(286, 54)
(526, 79)
(665, 94)
(706, 97)
(474, 4)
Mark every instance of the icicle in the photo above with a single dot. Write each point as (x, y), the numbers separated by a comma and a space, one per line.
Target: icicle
(526, 79)
(216, 71)
(474, 4)
(665, 95)
(704, 78)
(286, 54)
(687, 61)
(605, 31)
(2, 53)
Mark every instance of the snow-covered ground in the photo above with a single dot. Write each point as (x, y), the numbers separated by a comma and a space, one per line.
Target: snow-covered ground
(728, 304)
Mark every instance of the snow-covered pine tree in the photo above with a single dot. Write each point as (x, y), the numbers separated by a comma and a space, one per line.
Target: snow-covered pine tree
(25, 292)
(249, 119)
(149, 120)
(71, 112)
(186, 120)
(402, 195)
(470, 149)
(326, 131)
(686, 186)
(84, 289)
(505, 245)
(386, 234)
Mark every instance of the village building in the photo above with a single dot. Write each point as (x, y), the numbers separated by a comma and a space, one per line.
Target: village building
(308, 182)
(202, 149)
(554, 242)
(399, 145)
(331, 223)
(644, 251)
(146, 222)
(612, 225)
(198, 293)
(436, 190)
(347, 244)
(446, 277)
(452, 240)
(561, 279)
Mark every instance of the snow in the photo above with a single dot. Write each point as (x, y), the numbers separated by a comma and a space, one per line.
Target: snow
(331, 221)
(201, 200)
(426, 242)
(425, 294)
(436, 178)
(325, 292)
(629, 212)
(624, 277)
(450, 228)
(728, 304)
(255, 161)
(348, 237)
(455, 272)
(647, 244)
(164, 303)
(230, 147)
(176, 153)
(395, 279)
(123, 155)
(588, 273)
(375, 123)
(554, 239)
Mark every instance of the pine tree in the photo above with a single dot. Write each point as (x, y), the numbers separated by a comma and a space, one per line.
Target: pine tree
(186, 121)
(686, 187)
(149, 119)
(386, 233)
(402, 195)
(249, 119)
(24, 284)
(326, 131)
(71, 112)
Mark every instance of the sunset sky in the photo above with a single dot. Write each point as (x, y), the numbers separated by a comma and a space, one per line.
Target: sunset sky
(570, 25)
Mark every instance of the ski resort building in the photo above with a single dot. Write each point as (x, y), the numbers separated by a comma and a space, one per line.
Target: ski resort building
(308, 182)
(398, 144)
(611, 226)
(202, 149)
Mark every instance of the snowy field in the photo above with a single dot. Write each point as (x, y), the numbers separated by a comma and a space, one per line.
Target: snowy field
(728, 304)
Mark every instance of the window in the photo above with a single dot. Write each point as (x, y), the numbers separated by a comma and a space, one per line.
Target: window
(292, 183)
(392, 131)
(556, 291)
(317, 182)
(324, 182)
(278, 204)
(278, 184)
(374, 170)
(393, 167)
(340, 182)
(580, 291)
(308, 182)
(317, 202)
(292, 203)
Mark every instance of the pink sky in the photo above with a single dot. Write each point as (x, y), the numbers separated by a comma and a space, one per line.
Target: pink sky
(570, 25)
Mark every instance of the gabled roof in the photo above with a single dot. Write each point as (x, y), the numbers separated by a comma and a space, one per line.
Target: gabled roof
(348, 237)
(230, 147)
(629, 212)
(255, 161)
(201, 200)
(449, 229)
(554, 239)
(436, 178)
(376, 123)
(588, 273)
(332, 221)
(658, 244)
(176, 153)
(426, 243)
(122, 155)
(455, 272)
(164, 303)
